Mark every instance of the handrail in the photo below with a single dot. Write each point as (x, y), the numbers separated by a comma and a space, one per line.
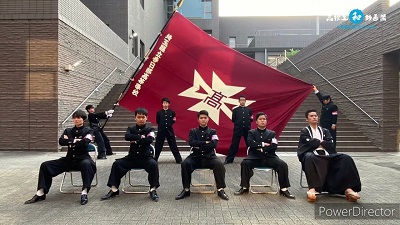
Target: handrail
(345, 96)
(91, 93)
(96, 89)
(293, 64)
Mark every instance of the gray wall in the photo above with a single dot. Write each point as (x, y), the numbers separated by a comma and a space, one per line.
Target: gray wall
(364, 65)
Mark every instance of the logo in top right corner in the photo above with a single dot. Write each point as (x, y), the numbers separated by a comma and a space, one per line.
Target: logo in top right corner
(356, 16)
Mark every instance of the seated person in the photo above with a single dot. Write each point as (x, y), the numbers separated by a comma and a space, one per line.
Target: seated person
(77, 139)
(140, 156)
(325, 169)
(262, 145)
(203, 141)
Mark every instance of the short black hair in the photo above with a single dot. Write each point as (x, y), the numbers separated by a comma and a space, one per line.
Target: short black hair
(79, 114)
(165, 100)
(261, 114)
(242, 96)
(309, 111)
(89, 107)
(142, 111)
(202, 112)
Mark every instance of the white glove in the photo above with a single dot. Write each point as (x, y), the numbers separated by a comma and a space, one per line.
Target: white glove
(111, 111)
(109, 115)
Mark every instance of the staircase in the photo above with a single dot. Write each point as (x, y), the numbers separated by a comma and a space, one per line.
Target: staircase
(349, 138)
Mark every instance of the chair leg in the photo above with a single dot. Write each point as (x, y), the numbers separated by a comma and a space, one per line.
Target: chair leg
(301, 180)
(200, 185)
(273, 174)
(133, 185)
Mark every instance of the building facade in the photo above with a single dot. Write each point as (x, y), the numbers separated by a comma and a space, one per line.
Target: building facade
(54, 53)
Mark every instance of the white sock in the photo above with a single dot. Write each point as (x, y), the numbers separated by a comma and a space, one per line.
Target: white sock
(114, 189)
(187, 189)
(152, 189)
(284, 189)
(220, 189)
(84, 191)
(40, 192)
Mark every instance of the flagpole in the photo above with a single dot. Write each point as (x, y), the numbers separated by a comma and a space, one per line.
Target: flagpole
(142, 61)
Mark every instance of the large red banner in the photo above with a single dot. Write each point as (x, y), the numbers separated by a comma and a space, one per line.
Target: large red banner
(196, 71)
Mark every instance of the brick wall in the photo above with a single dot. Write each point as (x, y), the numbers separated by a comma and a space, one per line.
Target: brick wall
(28, 84)
(364, 65)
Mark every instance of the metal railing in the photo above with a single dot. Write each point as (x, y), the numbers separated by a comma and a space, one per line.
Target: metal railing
(97, 88)
(355, 104)
(277, 32)
(87, 97)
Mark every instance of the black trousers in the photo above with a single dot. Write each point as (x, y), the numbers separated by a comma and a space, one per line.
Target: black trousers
(196, 162)
(161, 135)
(276, 163)
(52, 168)
(334, 173)
(121, 166)
(103, 143)
(234, 148)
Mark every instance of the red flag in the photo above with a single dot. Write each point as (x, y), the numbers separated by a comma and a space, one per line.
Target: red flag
(196, 71)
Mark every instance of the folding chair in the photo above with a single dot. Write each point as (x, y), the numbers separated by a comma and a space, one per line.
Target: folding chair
(301, 179)
(273, 174)
(92, 149)
(137, 171)
(202, 187)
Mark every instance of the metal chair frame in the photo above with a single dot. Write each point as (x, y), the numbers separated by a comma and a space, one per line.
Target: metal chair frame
(91, 149)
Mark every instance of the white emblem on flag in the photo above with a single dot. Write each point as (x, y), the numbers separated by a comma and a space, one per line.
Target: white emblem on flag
(151, 134)
(214, 137)
(216, 98)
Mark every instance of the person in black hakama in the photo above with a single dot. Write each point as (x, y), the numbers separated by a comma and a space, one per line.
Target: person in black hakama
(77, 139)
(325, 169)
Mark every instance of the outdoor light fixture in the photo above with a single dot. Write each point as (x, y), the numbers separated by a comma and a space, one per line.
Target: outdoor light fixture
(133, 35)
(70, 67)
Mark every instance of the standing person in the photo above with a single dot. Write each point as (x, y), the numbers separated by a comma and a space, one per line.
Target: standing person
(77, 139)
(165, 119)
(103, 143)
(242, 116)
(329, 114)
(140, 156)
(262, 148)
(325, 169)
(203, 141)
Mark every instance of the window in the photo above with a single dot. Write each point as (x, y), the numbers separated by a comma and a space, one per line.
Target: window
(134, 38)
(142, 3)
(209, 32)
(142, 50)
(232, 42)
(197, 9)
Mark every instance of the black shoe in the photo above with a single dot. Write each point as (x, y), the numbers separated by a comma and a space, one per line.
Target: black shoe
(110, 153)
(286, 194)
(183, 195)
(36, 198)
(84, 199)
(242, 191)
(110, 194)
(101, 157)
(223, 195)
(154, 196)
